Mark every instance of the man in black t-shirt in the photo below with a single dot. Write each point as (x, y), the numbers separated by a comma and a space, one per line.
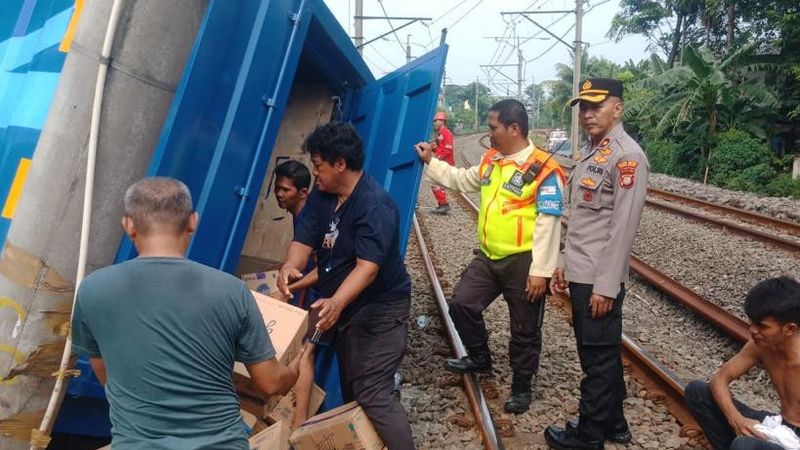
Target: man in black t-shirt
(352, 224)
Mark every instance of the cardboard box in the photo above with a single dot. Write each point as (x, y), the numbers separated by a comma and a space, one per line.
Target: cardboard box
(344, 427)
(286, 406)
(286, 325)
(263, 282)
(276, 437)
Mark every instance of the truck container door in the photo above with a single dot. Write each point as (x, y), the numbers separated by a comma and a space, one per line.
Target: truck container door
(392, 114)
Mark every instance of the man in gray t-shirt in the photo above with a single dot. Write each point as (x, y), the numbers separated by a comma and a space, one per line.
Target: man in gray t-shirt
(163, 333)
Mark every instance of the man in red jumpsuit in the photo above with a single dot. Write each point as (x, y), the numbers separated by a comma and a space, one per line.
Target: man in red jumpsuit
(444, 151)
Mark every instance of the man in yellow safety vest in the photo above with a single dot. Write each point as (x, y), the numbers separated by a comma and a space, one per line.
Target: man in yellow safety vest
(519, 231)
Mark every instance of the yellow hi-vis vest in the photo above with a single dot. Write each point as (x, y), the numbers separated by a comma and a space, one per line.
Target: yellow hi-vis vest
(508, 202)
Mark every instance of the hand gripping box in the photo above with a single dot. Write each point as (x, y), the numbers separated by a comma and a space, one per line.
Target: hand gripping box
(262, 282)
(286, 406)
(286, 325)
(345, 427)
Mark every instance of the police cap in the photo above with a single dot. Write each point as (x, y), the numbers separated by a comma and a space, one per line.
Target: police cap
(595, 90)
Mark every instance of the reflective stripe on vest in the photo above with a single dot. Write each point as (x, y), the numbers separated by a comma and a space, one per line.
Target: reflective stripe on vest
(508, 210)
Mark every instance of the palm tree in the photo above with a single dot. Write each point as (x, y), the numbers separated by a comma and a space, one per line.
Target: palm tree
(703, 93)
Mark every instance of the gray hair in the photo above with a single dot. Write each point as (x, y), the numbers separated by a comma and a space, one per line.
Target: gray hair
(158, 203)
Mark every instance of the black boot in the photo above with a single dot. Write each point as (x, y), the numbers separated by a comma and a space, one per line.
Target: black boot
(619, 433)
(570, 439)
(478, 360)
(520, 399)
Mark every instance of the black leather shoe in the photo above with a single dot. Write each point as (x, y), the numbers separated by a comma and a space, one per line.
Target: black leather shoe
(518, 403)
(562, 439)
(469, 364)
(620, 434)
(479, 360)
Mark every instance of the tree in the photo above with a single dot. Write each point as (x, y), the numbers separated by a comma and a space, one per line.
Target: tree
(457, 97)
(667, 24)
(705, 94)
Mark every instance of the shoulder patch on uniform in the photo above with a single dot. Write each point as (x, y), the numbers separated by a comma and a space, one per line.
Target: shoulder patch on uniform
(627, 173)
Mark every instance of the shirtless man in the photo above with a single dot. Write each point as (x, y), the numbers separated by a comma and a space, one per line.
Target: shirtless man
(773, 307)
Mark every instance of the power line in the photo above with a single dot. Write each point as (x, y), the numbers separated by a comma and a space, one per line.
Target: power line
(394, 66)
(552, 46)
(391, 27)
(372, 61)
(448, 11)
(460, 18)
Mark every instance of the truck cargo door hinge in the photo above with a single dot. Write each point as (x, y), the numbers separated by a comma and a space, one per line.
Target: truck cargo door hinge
(241, 191)
(268, 102)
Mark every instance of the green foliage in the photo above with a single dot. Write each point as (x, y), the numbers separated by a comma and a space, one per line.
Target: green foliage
(783, 186)
(670, 158)
(740, 161)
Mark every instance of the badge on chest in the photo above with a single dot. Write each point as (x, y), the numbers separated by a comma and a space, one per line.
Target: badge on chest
(515, 183)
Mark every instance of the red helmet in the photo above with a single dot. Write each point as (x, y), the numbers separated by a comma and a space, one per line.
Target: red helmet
(441, 115)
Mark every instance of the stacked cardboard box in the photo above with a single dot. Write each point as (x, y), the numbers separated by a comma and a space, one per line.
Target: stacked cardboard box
(344, 427)
(286, 326)
(276, 437)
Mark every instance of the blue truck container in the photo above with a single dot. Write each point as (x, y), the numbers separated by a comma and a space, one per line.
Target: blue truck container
(262, 74)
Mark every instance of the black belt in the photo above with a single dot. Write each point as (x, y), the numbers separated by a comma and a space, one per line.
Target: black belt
(795, 428)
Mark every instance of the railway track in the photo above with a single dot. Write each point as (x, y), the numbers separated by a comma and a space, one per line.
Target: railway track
(661, 383)
(478, 405)
(734, 220)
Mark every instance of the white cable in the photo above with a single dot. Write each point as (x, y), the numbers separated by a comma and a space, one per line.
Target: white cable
(58, 390)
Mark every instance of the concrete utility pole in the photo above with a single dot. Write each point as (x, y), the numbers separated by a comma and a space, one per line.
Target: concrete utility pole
(520, 77)
(359, 37)
(576, 75)
(408, 48)
(39, 260)
(477, 125)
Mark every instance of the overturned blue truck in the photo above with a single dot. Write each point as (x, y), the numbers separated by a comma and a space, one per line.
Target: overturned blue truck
(259, 75)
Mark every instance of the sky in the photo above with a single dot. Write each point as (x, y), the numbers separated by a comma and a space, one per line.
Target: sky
(474, 25)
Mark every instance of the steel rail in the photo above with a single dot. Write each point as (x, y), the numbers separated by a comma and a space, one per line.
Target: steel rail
(662, 385)
(741, 214)
(720, 318)
(480, 409)
(728, 225)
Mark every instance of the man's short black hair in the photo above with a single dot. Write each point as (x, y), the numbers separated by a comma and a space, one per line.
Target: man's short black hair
(295, 171)
(510, 111)
(334, 141)
(776, 297)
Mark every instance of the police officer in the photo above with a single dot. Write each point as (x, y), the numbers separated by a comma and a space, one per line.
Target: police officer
(519, 229)
(607, 189)
(444, 151)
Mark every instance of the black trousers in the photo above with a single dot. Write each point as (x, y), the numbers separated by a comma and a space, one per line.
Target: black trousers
(481, 282)
(370, 346)
(600, 353)
(715, 426)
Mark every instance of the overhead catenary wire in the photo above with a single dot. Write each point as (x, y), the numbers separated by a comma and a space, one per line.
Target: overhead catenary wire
(394, 32)
(448, 11)
(450, 27)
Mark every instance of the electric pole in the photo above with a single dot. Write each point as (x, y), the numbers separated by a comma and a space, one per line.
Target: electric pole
(408, 48)
(576, 75)
(476, 104)
(359, 37)
(520, 78)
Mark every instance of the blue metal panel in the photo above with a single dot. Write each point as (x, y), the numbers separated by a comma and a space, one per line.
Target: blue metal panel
(392, 114)
(30, 65)
(226, 115)
(228, 109)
